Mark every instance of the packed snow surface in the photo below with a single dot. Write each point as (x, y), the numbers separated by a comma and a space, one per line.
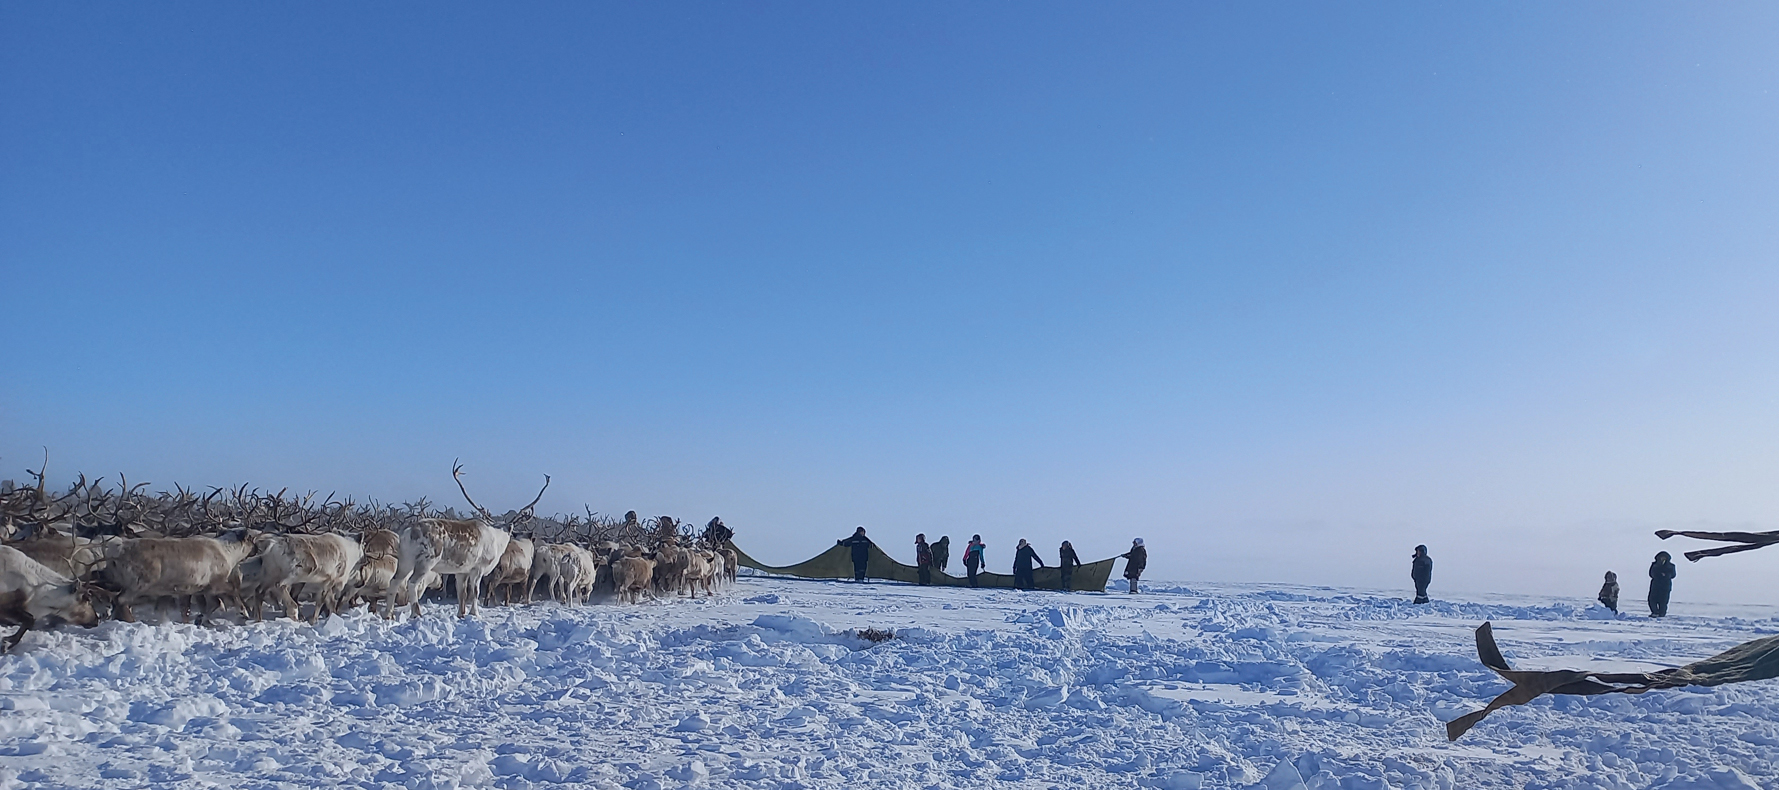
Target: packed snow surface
(765, 686)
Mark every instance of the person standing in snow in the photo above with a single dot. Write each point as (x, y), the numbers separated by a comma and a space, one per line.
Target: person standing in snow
(973, 557)
(942, 552)
(1067, 562)
(1022, 565)
(1422, 573)
(718, 534)
(1135, 561)
(1661, 584)
(1609, 592)
(861, 552)
(923, 559)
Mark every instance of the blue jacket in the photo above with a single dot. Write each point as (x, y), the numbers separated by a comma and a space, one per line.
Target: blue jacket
(861, 548)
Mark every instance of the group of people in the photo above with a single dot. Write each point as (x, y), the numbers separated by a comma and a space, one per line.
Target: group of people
(1661, 586)
(1661, 582)
(1026, 561)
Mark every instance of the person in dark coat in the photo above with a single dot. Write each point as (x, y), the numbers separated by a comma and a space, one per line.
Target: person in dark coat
(942, 552)
(1609, 592)
(1422, 573)
(717, 533)
(973, 560)
(1022, 565)
(1067, 562)
(1135, 561)
(1661, 584)
(861, 552)
(923, 558)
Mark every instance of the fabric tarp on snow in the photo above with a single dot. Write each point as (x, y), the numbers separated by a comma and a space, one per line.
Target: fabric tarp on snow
(1749, 541)
(836, 563)
(1756, 660)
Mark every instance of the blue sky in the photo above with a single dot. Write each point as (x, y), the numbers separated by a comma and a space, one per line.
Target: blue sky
(1283, 288)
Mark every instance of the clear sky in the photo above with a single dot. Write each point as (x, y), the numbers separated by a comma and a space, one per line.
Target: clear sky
(1283, 288)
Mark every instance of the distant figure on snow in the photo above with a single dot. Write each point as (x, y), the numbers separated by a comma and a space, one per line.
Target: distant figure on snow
(973, 557)
(861, 552)
(923, 558)
(1609, 592)
(1661, 584)
(1135, 561)
(1067, 562)
(1022, 565)
(1422, 573)
(942, 552)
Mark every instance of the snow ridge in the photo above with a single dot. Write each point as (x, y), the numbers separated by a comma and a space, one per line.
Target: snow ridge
(1231, 687)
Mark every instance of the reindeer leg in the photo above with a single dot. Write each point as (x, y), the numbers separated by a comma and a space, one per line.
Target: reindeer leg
(393, 592)
(25, 621)
(13, 641)
(331, 596)
(414, 592)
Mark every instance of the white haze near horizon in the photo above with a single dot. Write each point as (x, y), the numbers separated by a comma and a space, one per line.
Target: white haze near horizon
(1503, 554)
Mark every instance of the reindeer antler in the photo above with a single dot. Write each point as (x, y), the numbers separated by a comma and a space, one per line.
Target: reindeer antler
(457, 474)
(540, 495)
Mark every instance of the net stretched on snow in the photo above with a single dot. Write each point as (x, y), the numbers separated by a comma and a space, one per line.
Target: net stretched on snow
(836, 563)
(1749, 661)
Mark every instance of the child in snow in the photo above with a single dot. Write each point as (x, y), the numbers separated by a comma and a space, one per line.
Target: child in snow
(973, 557)
(1609, 592)
(1661, 584)
(1135, 561)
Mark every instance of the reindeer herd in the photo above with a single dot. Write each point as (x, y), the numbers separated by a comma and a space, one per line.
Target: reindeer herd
(96, 551)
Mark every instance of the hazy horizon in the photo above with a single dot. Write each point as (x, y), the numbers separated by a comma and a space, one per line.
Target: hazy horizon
(1283, 289)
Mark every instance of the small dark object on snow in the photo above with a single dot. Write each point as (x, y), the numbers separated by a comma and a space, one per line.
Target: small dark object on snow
(1756, 660)
(875, 636)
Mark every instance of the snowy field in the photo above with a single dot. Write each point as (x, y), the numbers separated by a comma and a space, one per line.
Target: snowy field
(1182, 687)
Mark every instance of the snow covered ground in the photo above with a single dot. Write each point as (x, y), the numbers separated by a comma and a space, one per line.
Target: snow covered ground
(1181, 687)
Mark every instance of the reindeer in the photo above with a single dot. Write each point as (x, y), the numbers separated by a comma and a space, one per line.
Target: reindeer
(514, 570)
(579, 569)
(30, 592)
(672, 561)
(324, 562)
(718, 537)
(631, 577)
(466, 548)
(151, 568)
(375, 568)
(70, 555)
